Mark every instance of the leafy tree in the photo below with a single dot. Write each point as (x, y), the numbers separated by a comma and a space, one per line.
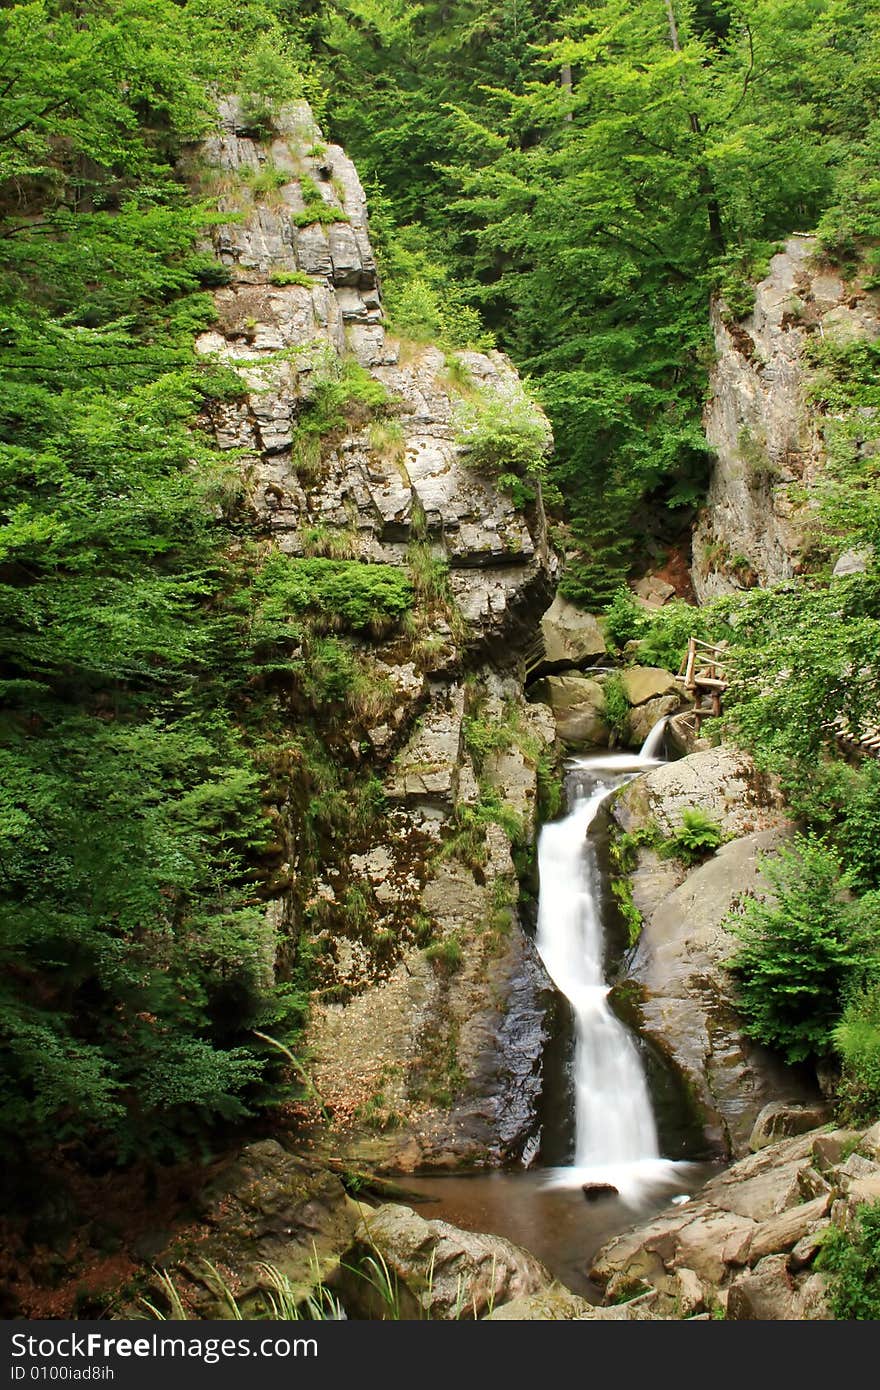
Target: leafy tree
(136, 958)
(800, 950)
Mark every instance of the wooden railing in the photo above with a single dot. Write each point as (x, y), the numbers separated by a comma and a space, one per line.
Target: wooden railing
(703, 675)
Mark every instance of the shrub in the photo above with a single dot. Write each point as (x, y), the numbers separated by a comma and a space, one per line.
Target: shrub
(446, 955)
(624, 619)
(852, 1261)
(338, 593)
(316, 208)
(738, 273)
(268, 79)
(857, 1040)
(630, 915)
(617, 709)
(321, 212)
(265, 180)
(665, 635)
(800, 950)
(341, 392)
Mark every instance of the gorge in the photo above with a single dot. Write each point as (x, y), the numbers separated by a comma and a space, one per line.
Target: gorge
(377, 890)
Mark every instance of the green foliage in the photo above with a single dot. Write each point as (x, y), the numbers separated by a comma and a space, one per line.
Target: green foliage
(616, 709)
(738, 273)
(317, 208)
(664, 638)
(844, 389)
(630, 915)
(292, 277)
(269, 78)
(662, 633)
(697, 837)
(504, 435)
(851, 1260)
(423, 299)
(137, 962)
(800, 951)
(857, 1042)
(334, 593)
(484, 736)
(467, 842)
(588, 221)
(323, 213)
(342, 393)
(802, 655)
(264, 180)
(624, 619)
(446, 955)
(842, 803)
(551, 793)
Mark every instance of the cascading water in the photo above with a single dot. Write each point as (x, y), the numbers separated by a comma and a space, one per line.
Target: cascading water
(615, 1133)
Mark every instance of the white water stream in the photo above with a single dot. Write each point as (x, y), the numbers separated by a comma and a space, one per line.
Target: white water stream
(615, 1133)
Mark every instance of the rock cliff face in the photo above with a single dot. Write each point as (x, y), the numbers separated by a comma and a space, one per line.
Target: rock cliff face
(768, 441)
(428, 1011)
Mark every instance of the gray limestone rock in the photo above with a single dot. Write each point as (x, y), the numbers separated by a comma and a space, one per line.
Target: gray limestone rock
(754, 528)
(578, 706)
(721, 781)
(643, 683)
(570, 635)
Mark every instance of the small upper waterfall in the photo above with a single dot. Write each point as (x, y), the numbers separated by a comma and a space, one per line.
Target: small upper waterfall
(615, 1133)
(653, 744)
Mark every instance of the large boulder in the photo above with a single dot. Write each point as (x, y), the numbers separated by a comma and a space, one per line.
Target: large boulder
(267, 1207)
(435, 1270)
(571, 636)
(687, 998)
(721, 781)
(779, 1120)
(643, 683)
(578, 705)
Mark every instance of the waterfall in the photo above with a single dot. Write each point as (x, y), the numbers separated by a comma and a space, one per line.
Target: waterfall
(615, 1133)
(653, 744)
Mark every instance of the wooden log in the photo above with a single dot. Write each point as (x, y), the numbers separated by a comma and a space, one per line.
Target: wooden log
(689, 668)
